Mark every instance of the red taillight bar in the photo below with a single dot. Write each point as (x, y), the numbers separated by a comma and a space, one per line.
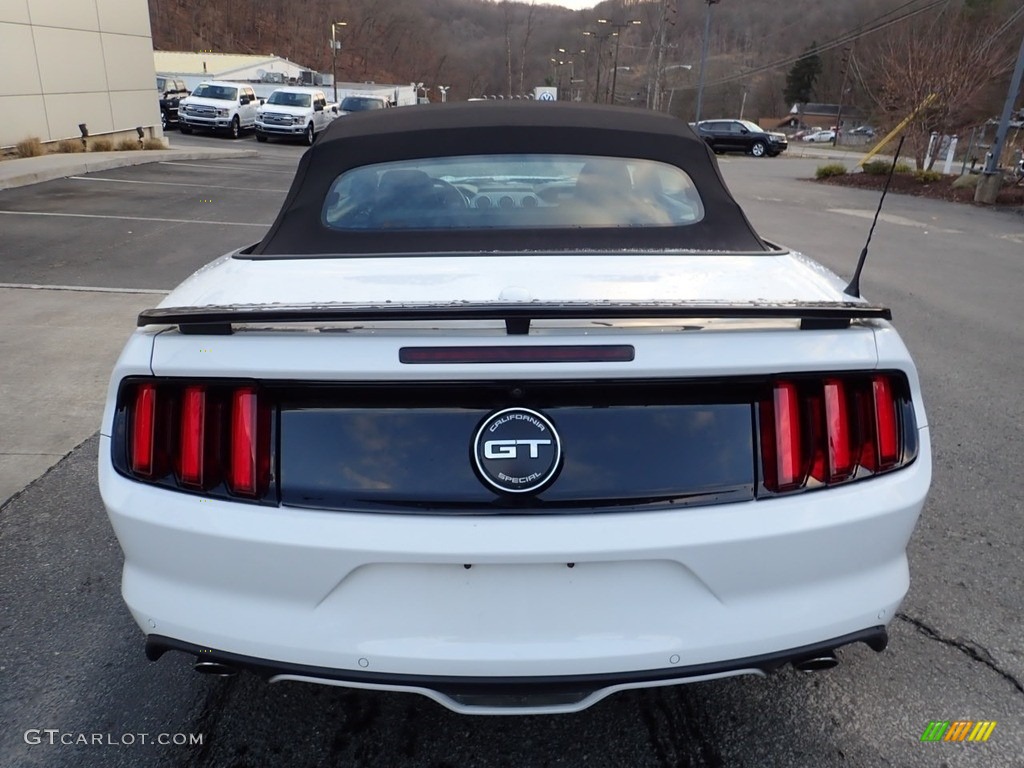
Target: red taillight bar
(886, 426)
(193, 437)
(837, 430)
(249, 464)
(143, 425)
(781, 440)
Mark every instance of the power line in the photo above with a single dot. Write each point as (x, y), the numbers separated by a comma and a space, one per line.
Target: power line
(843, 39)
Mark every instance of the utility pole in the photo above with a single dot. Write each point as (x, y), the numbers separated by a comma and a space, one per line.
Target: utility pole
(988, 188)
(847, 55)
(600, 38)
(704, 57)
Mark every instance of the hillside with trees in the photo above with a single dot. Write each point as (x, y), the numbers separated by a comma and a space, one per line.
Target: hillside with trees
(884, 57)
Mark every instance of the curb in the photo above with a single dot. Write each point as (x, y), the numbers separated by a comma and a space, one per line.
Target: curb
(33, 170)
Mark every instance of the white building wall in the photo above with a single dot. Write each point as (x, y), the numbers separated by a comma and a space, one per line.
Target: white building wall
(67, 62)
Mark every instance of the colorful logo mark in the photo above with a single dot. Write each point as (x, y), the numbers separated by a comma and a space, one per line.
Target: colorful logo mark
(958, 730)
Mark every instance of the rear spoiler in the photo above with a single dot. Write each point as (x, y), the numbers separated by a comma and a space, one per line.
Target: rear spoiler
(219, 320)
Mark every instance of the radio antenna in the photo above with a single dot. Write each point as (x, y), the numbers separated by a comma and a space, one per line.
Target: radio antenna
(853, 289)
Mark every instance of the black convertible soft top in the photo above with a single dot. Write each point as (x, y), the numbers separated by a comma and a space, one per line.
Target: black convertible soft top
(481, 128)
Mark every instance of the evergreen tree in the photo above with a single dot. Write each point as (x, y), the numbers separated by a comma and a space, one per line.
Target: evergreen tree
(800, 80)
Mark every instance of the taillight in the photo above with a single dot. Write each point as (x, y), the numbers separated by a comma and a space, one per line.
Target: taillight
(824, 431)
(209, 437)
(249, 466)
(887, 435)
(143, 430)
(193, 437)
(781, 440)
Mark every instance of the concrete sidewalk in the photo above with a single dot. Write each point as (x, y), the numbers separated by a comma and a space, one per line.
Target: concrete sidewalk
(23, 171)
(51, 395)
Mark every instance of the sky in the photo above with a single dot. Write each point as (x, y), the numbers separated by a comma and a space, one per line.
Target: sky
(575, 4)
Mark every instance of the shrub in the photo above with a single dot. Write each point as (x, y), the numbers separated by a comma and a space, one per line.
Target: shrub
(31, 147)
(927, 177)
(830, 169)
(876, 167)
(127, 145)
(70, 146)
(101, 145)
(153, 144)
(903, 168)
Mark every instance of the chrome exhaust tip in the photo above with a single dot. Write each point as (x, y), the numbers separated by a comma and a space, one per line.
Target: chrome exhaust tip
(817, 663)
(214, 668)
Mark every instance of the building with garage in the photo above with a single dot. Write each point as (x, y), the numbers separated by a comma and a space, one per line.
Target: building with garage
(194, 68)
(85, 63)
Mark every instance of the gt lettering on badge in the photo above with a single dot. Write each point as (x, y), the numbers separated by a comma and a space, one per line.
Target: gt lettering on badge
(509, 449)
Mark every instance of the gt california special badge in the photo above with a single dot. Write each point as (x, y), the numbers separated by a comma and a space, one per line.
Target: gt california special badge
(517, 450)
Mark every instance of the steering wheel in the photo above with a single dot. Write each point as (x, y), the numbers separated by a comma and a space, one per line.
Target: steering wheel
(451, 195)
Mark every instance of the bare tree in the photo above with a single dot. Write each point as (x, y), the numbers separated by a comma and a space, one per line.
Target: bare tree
(947, 60)
(525, 46)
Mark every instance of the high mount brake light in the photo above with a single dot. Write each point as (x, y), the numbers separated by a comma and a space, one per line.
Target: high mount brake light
(213, 435)
(830, 430)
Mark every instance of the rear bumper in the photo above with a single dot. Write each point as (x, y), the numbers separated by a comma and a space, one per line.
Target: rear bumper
(668, 594)
(518, 695)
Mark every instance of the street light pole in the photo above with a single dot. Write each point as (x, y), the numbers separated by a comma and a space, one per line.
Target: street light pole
(618, 38)
(704, 57)
(334, 55)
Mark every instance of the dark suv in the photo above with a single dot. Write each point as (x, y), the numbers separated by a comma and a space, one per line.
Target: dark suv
(170, 92)
(741, 136)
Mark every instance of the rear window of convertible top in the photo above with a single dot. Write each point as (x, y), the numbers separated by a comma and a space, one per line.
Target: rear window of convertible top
(512, 191)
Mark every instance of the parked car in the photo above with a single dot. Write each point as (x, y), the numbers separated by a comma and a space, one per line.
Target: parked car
(219, 106)
(513, 408)
(294, 112)
(863, 130)
(364, 103)
(820, 136)
(741, 136)
(170, 91)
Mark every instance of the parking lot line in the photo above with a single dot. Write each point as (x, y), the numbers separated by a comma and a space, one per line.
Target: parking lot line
(173, 184)
(135, 218)
(219, 167)
(81, 288)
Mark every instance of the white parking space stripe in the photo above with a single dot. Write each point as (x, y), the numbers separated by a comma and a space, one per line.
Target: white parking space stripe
(135, 218)
(81, 288)
(247, 168)
(173, 184)
(890, 218)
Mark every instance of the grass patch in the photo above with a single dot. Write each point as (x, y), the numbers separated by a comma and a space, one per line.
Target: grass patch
(31, 147)
(830, 169)
(153, 144)
(101, 145)
(127, 145)
(69, 146)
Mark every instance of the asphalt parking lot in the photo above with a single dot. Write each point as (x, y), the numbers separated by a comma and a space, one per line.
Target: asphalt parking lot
(81, 255)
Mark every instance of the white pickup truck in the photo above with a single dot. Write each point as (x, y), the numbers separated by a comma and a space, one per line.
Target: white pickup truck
(218, 106)
(294, 112)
